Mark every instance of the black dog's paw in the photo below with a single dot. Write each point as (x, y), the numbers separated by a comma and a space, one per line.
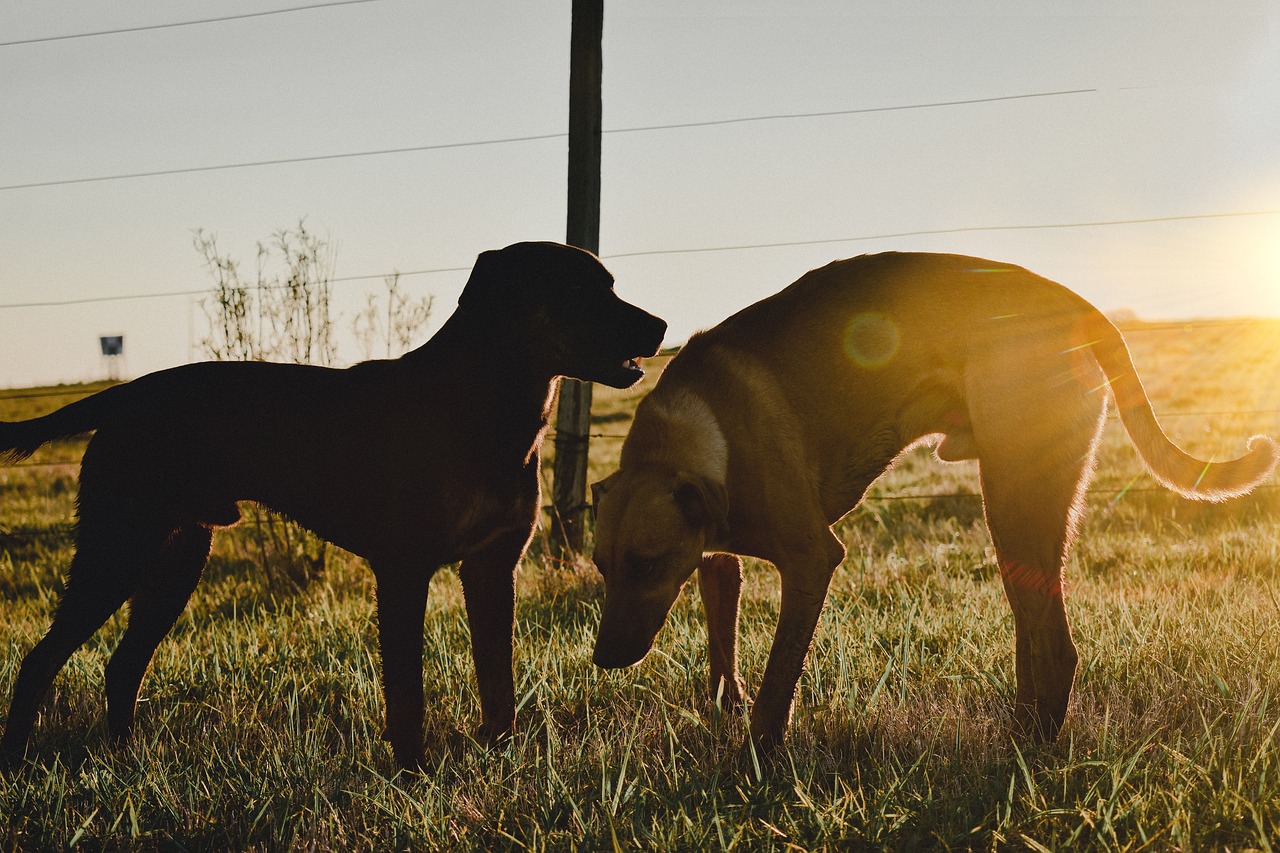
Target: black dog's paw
(13, 761)
(495, 734)
(412, 764)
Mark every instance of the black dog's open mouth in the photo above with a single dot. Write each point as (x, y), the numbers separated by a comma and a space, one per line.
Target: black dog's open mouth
(631, 371)
(624, 373)
(617, 372)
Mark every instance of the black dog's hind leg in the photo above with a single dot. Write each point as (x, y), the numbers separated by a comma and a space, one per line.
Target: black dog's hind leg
(112, 556)
(153, 610)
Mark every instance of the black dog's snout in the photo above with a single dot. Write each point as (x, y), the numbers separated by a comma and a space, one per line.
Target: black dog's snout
(653, 330)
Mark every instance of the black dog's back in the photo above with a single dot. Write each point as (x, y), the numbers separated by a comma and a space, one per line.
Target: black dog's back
(189, 392)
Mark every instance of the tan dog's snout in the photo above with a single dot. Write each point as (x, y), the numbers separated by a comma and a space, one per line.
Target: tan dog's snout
(644, 571)
(614, 653)
(628, 628)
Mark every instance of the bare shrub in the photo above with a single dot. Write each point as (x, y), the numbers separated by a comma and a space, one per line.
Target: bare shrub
(283, 314)
(393, 327)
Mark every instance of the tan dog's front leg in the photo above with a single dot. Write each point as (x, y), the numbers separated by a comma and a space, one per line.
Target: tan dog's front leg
(720, 582)
(804, 590)
(488, 588)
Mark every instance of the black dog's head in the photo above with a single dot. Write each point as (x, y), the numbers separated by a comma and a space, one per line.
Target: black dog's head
(557, 303)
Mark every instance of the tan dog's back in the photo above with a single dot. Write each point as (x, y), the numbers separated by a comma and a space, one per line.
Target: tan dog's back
(920, 341)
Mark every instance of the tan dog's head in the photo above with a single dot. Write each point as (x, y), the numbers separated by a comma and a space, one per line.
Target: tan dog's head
(652, 527)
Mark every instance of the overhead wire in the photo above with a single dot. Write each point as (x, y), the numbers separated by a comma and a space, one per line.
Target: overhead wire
(536, 137)
(277, 162)
(174, 24)
(88, 300)
(440, 146)
(936, 231)
(54, 303)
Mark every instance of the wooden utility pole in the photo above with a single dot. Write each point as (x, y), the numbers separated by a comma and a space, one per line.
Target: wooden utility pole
(573, 418)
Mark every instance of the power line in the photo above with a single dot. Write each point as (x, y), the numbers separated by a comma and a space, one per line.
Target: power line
(935, 231)
(277, 162)
(698, 249)
(860, 111)
(529, 138)
(218, 20)
(88, 300)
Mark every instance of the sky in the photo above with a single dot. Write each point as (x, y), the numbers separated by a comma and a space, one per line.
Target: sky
(873, 123)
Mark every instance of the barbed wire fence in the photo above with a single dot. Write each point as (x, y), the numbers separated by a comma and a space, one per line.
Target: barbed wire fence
(25, 534)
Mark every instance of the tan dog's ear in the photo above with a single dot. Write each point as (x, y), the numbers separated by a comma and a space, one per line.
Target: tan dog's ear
(703, 501)
(598, 489)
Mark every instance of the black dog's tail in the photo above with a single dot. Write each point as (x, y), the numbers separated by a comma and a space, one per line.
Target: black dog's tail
(19, 439)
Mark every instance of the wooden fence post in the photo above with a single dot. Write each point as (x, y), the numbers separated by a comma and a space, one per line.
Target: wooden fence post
(573, 417)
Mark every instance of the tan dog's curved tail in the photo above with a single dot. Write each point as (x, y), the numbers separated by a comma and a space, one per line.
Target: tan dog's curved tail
(1190, 477)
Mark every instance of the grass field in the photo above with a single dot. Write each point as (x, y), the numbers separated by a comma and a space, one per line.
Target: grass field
(261, 715)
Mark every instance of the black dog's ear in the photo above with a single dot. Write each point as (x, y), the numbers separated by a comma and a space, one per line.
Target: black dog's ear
(703, 502)
(523, 275)
(490, 269)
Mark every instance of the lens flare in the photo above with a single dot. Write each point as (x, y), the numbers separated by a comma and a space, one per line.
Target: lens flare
(871, 340)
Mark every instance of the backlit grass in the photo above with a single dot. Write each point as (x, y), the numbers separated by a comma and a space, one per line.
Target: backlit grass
(260, 723)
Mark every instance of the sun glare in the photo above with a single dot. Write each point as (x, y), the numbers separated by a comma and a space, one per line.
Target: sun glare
(1271, 278)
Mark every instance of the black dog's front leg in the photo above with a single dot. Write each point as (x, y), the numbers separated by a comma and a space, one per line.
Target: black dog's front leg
(402, 604)
(488, 586)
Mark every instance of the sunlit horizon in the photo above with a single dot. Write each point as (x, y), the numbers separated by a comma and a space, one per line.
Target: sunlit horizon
(764, 126)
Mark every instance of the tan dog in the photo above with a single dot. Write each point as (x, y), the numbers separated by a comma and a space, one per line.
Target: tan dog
(768, 428)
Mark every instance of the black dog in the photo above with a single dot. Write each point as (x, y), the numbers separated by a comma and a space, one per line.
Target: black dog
(412, 463)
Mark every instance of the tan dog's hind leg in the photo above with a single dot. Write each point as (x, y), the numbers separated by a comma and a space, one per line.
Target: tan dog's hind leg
(1046, 657)
(806, 574)
(1036, 454)
(720, 582)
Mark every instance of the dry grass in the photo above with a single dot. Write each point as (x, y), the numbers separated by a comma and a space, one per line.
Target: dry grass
(261, 722)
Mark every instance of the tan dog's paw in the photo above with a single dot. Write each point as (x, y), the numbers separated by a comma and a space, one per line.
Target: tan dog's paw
(728, 694)
(759, 757)
(1036, 726)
